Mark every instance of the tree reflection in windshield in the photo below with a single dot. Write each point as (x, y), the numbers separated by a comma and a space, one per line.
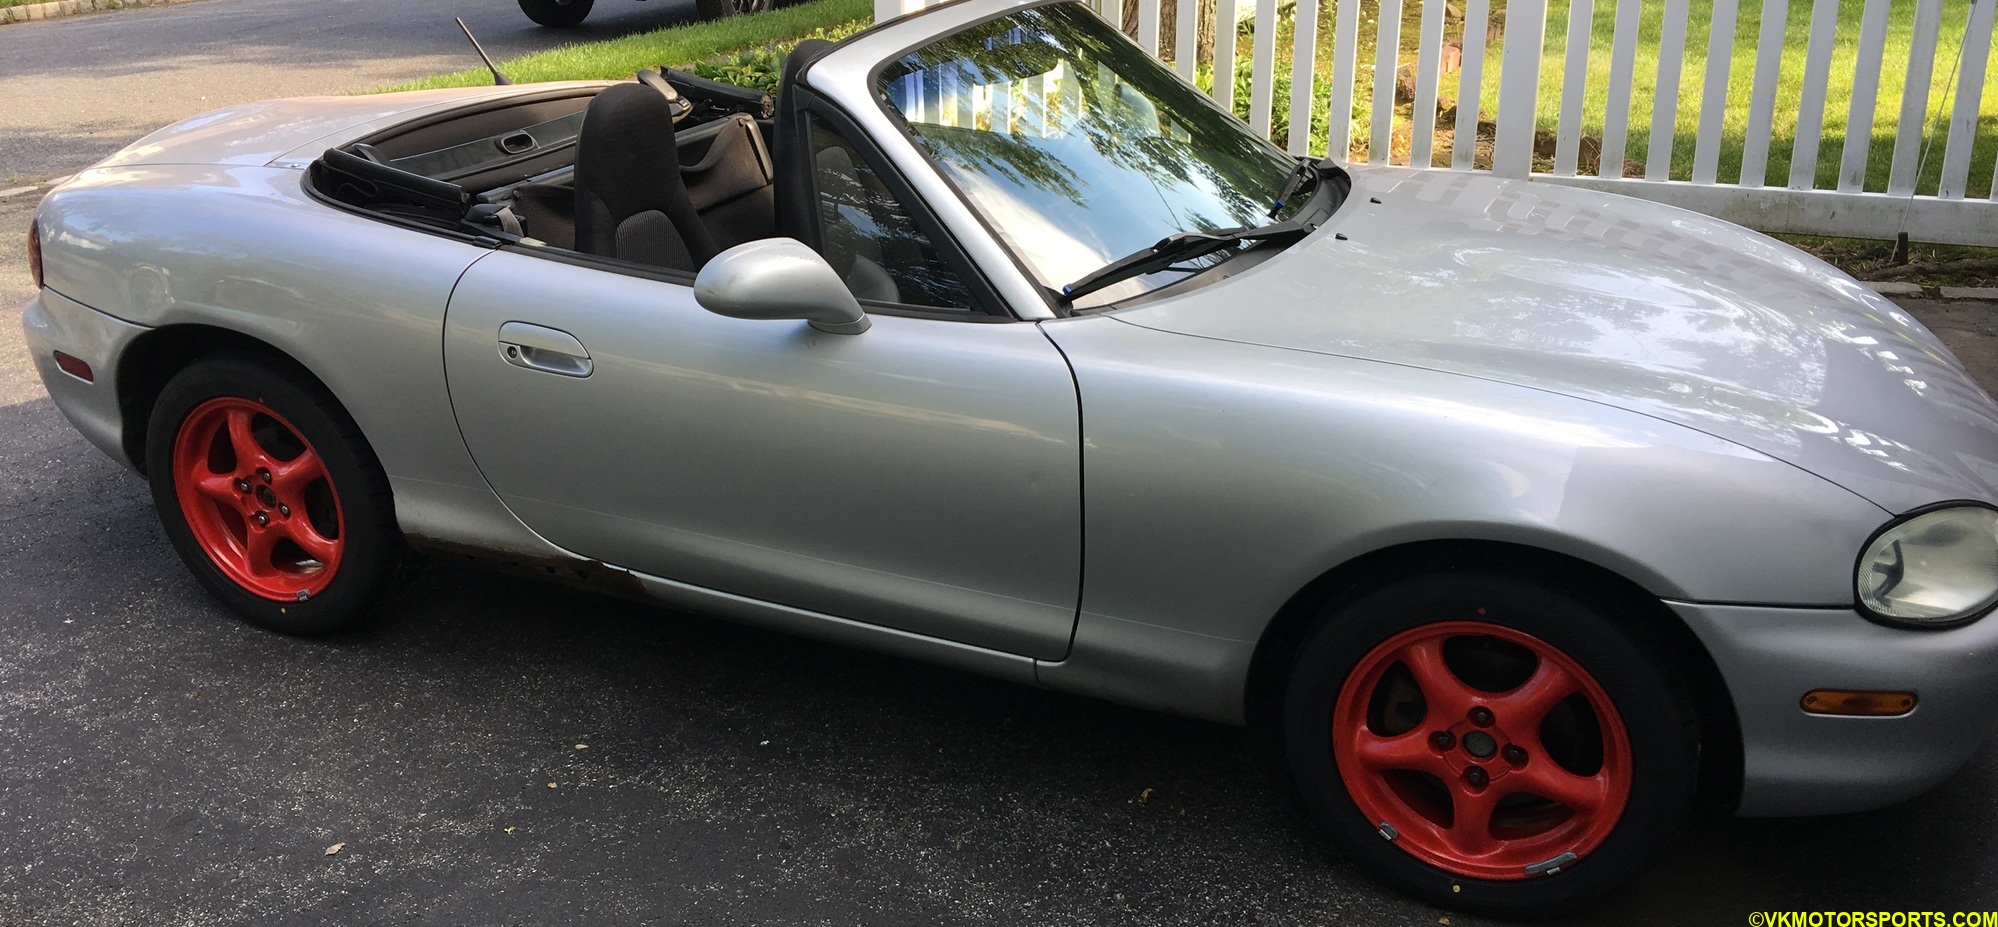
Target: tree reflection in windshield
(1076, 145)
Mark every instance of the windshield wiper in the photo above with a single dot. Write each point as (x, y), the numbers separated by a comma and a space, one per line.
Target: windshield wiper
(1182, 246)
(1186, 246)
(1306, 168)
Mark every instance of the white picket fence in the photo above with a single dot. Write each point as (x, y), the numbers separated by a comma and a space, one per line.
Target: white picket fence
(1792, 204)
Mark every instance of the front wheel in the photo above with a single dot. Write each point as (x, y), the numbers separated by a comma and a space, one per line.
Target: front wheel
(1491, 745)
(558, 13)
(271, 496)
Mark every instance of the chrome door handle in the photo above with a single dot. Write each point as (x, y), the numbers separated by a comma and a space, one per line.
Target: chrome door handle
(549, 350)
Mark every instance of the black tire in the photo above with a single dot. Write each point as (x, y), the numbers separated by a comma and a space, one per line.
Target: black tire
(719, 9)
(351, 502)
(1605, 641)
(553, 13)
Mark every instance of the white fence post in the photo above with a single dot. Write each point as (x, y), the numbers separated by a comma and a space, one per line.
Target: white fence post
(1568, 143)
(1616, 113)
(896, 8)
(1865, 91)
(1969, 100)
(1762, 96)
(1345, 42)
(1665, 101)
(1224, 53)
(1428, 61)
(1387, 52)
(1470, 84)
(1713, 96)
(1519, 87)
(1186, 42)
(1811, 109)
(1909, 130)
(1302, 73)
(1262, 77)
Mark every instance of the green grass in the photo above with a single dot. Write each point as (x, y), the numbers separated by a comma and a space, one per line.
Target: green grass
(1686, 119)
(675, 46)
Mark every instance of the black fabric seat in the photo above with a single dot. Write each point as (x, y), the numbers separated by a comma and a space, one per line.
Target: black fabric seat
(631, 203)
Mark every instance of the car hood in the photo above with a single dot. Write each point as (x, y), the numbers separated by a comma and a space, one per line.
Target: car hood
(1644, 307)
(292, 132)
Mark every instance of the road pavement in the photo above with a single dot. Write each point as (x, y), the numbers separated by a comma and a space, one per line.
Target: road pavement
(500, 752)
(75, 89)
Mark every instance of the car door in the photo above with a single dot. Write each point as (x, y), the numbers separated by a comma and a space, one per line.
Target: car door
(923, 475)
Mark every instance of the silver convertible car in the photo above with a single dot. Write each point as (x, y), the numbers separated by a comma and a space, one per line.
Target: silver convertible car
(1531, 519)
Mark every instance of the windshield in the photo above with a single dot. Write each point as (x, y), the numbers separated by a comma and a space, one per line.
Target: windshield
(1077, 146)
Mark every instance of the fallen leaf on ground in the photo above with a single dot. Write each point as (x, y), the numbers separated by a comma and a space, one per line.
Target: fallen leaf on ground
(551, 785)
(334, 849)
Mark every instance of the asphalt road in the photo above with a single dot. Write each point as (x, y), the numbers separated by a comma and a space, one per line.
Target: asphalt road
(165, 764)
(73, 90)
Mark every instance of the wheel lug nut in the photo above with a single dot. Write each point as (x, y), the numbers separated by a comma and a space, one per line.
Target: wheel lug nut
(1443, 740)
(1476, 778)
(285, 510)
(1481, 716)
(263, 474)
(261, 519)
(242, 485)
(1515, 754)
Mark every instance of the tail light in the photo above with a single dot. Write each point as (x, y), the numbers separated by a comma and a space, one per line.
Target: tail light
(35, 253)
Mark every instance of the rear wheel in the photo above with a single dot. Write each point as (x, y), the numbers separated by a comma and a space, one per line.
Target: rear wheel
(559, 13)
(271, 497)
(1491, 745)
(716, 9)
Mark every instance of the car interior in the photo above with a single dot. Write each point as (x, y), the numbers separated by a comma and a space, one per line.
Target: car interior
(663, 172)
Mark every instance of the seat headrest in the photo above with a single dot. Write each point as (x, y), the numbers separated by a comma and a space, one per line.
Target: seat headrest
(626, 151)
(631, 202)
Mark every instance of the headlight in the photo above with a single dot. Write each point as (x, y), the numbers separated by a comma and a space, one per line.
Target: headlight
(1933, 569)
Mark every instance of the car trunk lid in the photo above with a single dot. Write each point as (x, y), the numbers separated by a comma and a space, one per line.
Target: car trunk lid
(288, 132)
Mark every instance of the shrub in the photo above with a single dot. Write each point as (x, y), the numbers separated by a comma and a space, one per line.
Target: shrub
(762, 67)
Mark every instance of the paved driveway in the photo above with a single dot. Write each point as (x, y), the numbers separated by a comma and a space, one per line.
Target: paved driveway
(76, 89)
(163, 764)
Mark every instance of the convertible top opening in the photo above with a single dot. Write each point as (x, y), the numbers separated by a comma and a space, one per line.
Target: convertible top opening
(510, 171)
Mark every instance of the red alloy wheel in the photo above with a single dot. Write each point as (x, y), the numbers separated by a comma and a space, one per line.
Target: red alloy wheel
(1478, 787)
(258, 499)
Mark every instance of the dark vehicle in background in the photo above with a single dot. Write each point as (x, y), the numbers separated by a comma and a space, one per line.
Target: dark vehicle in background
(572, 12)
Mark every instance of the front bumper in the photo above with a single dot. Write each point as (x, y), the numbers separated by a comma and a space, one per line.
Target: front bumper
(54, 323)
(1797, 763)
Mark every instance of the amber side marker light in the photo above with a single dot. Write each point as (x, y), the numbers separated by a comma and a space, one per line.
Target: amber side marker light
(75, 367)
(1858, 703)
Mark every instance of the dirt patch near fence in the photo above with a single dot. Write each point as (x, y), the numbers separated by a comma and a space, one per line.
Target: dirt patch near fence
(1968, 327)
(1927, 265)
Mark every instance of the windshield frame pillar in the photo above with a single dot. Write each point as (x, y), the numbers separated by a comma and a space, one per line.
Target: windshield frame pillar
(845, 78)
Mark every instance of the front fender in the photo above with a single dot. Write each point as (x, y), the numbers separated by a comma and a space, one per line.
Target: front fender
(1222, 478)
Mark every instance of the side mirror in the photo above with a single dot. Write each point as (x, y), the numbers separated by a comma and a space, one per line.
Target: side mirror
(779, 278)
